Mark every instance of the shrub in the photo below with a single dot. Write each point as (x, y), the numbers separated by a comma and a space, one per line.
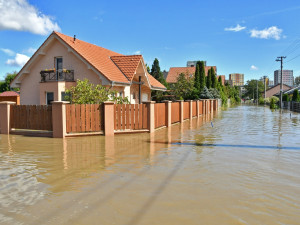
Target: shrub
(296, 96)
(261, 101)
(273, 102)
(286, 98)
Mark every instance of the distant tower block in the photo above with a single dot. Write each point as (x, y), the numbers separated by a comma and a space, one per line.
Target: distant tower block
(193, 63)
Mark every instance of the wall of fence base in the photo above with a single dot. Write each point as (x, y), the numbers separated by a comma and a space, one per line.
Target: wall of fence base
(109, 119)
(168, 112)
(5, 116)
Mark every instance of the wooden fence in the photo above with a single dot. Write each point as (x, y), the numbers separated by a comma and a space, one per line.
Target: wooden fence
(130, 117)
(160, 115)
(31, 117)
(84, 118)
(175, 108)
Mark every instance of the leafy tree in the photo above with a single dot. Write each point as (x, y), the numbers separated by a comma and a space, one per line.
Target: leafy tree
(286, 98)
(202, 75)
(296, 96)
(251, 87)
(273, 102)
(214, 92)
(148, 68)
(297, 80)
(183, 87)
(5, 86)
(87, 93)
(213, 78)
(208, 79)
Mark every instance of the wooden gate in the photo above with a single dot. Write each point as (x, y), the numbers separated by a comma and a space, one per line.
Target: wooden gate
(84, 118)
(131, 117)
(31, 117)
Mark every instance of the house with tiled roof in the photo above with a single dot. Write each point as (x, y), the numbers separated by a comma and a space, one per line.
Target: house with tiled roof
(61, 60)
(10, 96)
(188, 71)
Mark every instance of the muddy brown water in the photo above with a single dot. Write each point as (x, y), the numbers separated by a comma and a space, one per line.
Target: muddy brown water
(243, 168)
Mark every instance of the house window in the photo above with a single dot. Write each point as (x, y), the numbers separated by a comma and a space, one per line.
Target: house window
(59, 67)
(121, 94)
(49, 97)
(133, 95)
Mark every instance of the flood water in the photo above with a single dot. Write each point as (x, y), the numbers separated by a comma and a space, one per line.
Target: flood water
(243, 168)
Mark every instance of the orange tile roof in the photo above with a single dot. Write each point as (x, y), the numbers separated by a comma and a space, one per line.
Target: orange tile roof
(175, 71)
(127, 64)
(97, 56)
(9, 93)
(155, 83)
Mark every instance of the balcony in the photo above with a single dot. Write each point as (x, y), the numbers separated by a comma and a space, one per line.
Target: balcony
(57, 75)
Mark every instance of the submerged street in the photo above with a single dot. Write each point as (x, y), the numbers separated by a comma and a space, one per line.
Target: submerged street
(239, 167)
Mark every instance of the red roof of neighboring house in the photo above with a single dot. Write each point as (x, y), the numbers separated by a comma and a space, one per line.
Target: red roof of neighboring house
(9, 93)
(175, 71)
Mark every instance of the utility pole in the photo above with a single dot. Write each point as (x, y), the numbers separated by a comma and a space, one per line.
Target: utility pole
(265, 77)
(256, 92)
(280, 59)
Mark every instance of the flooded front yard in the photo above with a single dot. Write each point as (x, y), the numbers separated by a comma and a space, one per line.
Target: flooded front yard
(243, 168)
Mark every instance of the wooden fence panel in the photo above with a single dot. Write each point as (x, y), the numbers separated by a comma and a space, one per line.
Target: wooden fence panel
(160, 114)
(200, 107)
(186, 110)
(31, 117)
(194, 108)
(84, 118)
(175, 112)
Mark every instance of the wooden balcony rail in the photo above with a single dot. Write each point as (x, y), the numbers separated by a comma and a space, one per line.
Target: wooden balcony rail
(57, 75)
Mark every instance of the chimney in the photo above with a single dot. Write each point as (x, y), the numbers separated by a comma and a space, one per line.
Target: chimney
(74, 38)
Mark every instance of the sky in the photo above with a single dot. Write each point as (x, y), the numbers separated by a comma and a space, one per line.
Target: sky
(236, 36)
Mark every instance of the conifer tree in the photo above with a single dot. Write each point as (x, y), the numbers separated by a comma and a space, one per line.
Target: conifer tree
(220, 81)
(202, 75)
(208, 79)
(213, 78)
(197, 78)
(156, 73)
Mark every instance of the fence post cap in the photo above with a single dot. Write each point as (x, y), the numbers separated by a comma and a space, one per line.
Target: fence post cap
(179, 100)
(188, 100)
(166, 101)
(108, 103)
(60, 102)
(149, 102)
(7, 103)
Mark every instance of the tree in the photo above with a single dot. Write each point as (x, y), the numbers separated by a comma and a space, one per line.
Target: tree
(296, 96)
(5, 86)
(286, 98)
(251, 87)
(87, 93)
(208, 79)
(297, 80)
(213, 78)
(197, 78)
(220, 81)
(156, 73)
(202, 75)
(183, 87)
(205, 94)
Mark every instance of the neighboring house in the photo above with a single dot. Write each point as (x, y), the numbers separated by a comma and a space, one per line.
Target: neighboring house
(61, 60)
(189, 71)
(275, 90)
(10, 96)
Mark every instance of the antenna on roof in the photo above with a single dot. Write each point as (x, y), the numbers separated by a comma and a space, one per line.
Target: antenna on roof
(74, 37)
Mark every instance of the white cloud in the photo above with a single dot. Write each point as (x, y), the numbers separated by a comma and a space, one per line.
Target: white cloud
(267, 33)
(21, 16)
(253, 67)
(30, 50)
(7, 51)
(18, 61)
(137, 52)
(235, 29)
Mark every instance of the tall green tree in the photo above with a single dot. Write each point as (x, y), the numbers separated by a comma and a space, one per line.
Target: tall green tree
(251, 87)
(202, 75)
(213, 78)
(197, 78)
(156, 72)
(208, 79)
(5, 86)
(183, 87)
(220, 81)
(297, 80)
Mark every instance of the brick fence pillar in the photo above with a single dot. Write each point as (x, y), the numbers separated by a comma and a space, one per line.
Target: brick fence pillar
(180, 110)
(197, 105)
(59, 119)
(150, 116)
(5, 116)
(168, 112)
(109, 118)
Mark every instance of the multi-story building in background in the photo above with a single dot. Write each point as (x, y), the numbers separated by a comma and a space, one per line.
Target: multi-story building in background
(236, 79)
(271, 83)
(193, 63)
(287, 77)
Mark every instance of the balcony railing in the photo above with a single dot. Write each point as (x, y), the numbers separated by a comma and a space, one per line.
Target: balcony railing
(57, 75)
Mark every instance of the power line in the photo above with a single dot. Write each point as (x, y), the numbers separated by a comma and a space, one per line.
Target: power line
(293, 58)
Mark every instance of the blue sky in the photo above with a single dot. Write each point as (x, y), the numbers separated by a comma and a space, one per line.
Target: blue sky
(236, 36)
